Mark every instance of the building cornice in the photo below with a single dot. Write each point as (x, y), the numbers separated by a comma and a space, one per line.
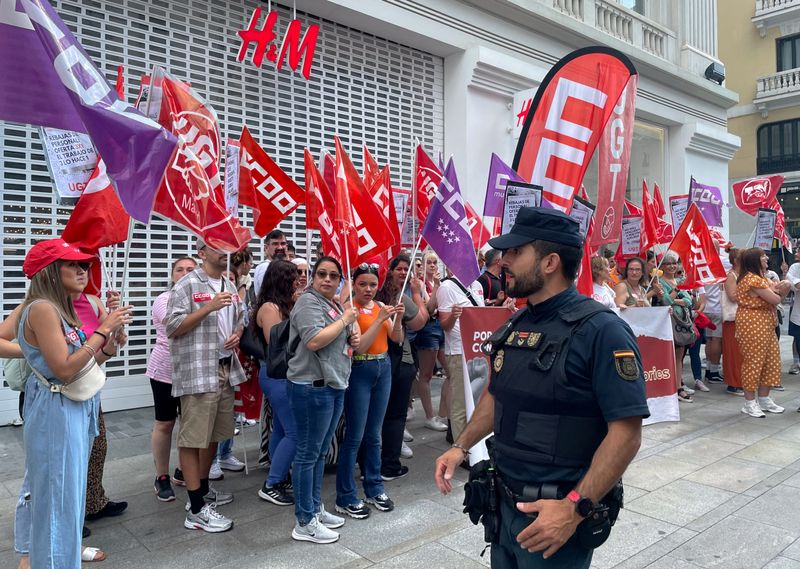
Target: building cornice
(713, 142)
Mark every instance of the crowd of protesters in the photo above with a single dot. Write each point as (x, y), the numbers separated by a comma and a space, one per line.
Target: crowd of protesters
(341, 354)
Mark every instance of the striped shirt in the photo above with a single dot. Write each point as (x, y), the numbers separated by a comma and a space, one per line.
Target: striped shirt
(159, 366)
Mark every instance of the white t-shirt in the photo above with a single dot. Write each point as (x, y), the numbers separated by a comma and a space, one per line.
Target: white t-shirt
(605, 296)
(258, 276)
(713, 298)
(793, 276)
(448, 295)
(224, 316)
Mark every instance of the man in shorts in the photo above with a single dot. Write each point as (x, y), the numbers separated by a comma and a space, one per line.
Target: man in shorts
(204, 324)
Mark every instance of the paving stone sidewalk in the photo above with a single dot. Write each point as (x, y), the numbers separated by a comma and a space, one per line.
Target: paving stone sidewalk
(717, 489)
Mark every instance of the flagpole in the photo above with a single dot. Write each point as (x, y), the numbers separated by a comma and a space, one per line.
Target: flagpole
(347, 265)
(125, 260)
(104, 261)
(113, 283)
(411, 268)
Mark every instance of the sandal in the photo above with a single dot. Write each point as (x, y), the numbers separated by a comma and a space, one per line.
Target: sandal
(684, 396)
(90, 554)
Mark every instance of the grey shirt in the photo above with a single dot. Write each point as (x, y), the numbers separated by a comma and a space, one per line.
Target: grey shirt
(311, 313)
(411, 312)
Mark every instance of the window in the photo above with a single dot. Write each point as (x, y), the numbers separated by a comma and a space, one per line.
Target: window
(788, 50)
(778, 147)
(635, 5)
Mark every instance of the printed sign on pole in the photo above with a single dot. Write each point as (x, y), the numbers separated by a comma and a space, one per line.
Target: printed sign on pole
(71, 158)
(232, 177)
(518, 195)
(631, 235)
(765, 228)
(679, 205)
(402, 203)
(582, 211)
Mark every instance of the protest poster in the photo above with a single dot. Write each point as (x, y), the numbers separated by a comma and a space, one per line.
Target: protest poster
(582, 211)
(477, 323)
(631, 235)
(653, 330)
(71, 159)
(518, 195)
(678, 205)
(765, 228)
(232, 176)
(401, 205)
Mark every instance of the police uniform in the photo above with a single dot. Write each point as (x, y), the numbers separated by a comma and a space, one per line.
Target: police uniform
(563, 369)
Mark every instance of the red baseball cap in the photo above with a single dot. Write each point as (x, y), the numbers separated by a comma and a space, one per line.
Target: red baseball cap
(46, 252)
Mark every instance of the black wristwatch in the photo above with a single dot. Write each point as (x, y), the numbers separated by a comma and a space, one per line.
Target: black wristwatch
(584, 506)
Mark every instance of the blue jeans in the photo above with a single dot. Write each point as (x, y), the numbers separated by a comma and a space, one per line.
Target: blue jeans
(224, 449)
(316, 412)
(694, 355)
(364, 408)
(283, 439)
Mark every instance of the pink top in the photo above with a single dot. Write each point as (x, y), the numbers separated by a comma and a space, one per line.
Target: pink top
(159, 366)
(88, 314)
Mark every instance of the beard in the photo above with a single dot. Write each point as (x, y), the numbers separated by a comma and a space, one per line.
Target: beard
(527, 284)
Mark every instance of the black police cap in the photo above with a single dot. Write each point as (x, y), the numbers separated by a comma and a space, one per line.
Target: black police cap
(540, 224)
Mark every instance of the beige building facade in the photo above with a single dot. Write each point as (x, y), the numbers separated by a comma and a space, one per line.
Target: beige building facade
(759, 42)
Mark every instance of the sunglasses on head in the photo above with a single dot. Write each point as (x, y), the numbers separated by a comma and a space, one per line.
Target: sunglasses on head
(368, 267)
(325, 274)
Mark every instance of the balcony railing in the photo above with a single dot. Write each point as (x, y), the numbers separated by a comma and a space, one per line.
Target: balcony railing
(781, 83)
(771, 13)
(625, 25)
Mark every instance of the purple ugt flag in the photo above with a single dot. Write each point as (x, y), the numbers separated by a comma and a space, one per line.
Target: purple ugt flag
(708, 200)
(499, 174)
(47, 79)
(446, 229)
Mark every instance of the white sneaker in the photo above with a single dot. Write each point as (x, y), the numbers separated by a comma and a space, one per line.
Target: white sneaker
(794, 370)
(751, 408)
(688, 390)
(767, 404)
(410, 414)
(434, 424)
(700, 386)
(208, 519)
(214, 497)
(406, 452)
(407, 437)
(231, 463)
(215, 473)
(315, 532)
(328, 519)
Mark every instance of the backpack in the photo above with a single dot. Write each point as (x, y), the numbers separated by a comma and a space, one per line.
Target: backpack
(16, 372)
(278, 350)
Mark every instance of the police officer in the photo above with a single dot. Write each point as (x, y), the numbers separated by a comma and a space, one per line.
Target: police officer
(565, 401)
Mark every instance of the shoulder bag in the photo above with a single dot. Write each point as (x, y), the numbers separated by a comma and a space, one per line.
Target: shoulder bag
(83, 386)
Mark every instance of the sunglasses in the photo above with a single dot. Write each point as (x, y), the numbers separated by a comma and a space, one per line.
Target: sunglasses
(368, 267)
(325, 274)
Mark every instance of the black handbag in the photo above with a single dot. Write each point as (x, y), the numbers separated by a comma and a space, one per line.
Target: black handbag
(252, 341)
(278, 350)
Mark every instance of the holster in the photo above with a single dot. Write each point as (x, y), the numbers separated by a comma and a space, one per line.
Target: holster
(481, 500)
(595, 529)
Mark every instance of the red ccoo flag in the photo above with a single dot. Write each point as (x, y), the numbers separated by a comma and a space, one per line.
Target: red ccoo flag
(427, 177)
(695, 246)
(367, 232)
(320, 208)
(98, 219)
(658, 203)
(383, 197)
(371, 168)
(266, 188)
(585, 283)
(649, 220)
(480, 235)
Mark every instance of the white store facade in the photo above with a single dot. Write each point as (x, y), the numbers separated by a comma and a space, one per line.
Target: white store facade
(385, 73)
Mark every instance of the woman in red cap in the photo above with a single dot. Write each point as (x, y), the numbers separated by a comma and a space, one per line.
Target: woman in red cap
(58, 431)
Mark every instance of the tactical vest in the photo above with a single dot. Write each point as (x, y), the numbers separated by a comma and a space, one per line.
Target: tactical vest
(541, 416)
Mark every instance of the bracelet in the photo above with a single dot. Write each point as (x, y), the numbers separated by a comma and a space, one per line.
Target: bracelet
(461, 448)
(106, 353)
(99, 333)
(90, 349)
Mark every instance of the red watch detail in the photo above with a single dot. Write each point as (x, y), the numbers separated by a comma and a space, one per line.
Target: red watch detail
(574, 497)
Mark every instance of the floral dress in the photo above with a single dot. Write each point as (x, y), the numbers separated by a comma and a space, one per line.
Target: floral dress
(755, 333)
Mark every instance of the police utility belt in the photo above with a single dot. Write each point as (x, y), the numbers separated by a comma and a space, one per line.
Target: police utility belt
(486, 489)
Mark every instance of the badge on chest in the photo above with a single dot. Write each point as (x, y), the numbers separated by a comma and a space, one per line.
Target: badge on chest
(523, 339)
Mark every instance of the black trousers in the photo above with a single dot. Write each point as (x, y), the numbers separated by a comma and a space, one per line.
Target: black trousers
(394, 423)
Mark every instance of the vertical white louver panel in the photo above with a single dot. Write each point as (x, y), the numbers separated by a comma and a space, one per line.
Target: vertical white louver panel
(364, 88)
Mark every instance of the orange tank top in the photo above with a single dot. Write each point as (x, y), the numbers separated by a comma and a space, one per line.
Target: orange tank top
(366, 316)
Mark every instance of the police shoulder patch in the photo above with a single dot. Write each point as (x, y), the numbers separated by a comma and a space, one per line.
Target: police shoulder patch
(625, 362)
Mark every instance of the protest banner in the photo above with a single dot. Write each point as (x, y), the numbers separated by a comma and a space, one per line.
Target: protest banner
(518, 195)
(71, 159)
(582, 211)
(653, 330)
(708, 200)
(477, 323)
(402, 199)
(750, 195)
(631, 235)
(678, 205)
(232, 152)
(765, 228)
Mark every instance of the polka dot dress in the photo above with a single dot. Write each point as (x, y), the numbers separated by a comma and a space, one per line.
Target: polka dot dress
(755, 332)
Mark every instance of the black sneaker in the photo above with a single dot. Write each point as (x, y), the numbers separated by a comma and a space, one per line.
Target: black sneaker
(110, 510)
(287, 486)
(714, 377)
(386, 476)
(163, 489)
(381, 502)
(177, 478)
(358, 510)
(86, 532)
(275, 494)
